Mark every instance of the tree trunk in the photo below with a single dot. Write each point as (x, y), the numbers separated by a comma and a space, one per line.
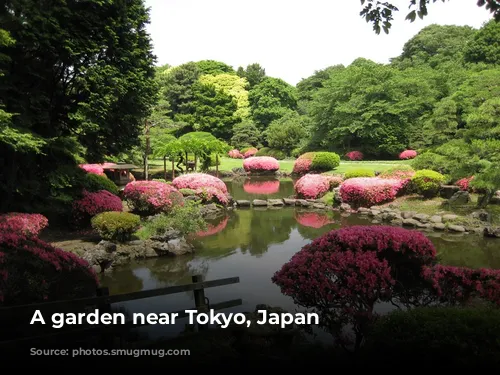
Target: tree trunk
(484, 200)
(164, 167)
(173, 169)
(217, 165)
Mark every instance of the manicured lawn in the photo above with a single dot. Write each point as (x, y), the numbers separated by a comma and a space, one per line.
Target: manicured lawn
(227, 164)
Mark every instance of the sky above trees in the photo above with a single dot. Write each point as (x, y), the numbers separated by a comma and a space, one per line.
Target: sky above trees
(289, 38)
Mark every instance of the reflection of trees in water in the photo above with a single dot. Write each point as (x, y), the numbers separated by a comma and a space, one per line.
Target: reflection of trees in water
(122, 280)
(176, 270)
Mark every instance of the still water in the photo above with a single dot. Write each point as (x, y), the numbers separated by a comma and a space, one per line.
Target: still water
(253, 244)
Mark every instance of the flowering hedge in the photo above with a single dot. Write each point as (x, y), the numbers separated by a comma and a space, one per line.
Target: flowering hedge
(313, 219)
(316, 162)
(29, 225)
(195, 181)
(213, 229)
(33, 271)
(464, 183)
(408, 154)
(302, 166)
(354, 155)
(151, 197)
(369, 191)
(235, 154)
(209, 194)
(93, 168)
(93, 203)
(404, 173)
(250, 152)
(261, 164)
(334, 181)
(312, 186)
(261, 187)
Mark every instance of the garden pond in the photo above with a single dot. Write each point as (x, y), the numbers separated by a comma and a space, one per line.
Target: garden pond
(252, 244)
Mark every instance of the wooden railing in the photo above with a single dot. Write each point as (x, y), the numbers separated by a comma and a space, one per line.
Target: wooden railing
(13, 316)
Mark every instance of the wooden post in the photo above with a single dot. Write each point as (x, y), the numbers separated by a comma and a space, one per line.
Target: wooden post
(164, 167)
(106, 336)
(146, 152)
(199, 300)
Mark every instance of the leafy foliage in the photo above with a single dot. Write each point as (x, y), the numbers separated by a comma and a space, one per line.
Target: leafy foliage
(427, 182)
(116, 226)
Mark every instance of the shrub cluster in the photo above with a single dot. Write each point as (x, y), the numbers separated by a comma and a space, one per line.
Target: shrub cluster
(151, 197)
(261, 164)
(249, 152)
(93, 169)
(93, 203)
(464, 183)
(195, 181)
(23, 224)
(210, 194)
(359, 172)
(427, 183)
(334, 181)
(116, 226)
(272, 152)
(369, 191)
(354, 155)
(316, 162)
(401, 172)
(235, 154)
(312, 186)
(95, 182)
(408, 154)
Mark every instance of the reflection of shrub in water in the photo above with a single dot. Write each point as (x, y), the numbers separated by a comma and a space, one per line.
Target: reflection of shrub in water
(261, 187)
(313, 219)
(213, 228)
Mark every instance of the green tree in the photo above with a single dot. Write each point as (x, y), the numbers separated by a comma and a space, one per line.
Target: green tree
(254, 73)
(246, 134)
(485, 45)
(213, 67)
(287, 132)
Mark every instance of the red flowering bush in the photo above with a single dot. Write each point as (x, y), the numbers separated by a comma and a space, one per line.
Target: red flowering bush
(93, 203)
(235, 154)
(261, 187)
(152, 197)
(261, 164)
(29, 225)
(210, 194)
(316, 162)
(344, 273)
(250, 152)
(33, 271)
(195, 181)
(370, 191)
(408, 154)
(213, 229)
(334, 181)
(313, 219)
(354, 155)
(464, 183)
(302, 166)
(312, 186)
(93, 168)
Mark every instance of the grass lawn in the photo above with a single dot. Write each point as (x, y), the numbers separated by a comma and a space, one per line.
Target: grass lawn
(227, 164)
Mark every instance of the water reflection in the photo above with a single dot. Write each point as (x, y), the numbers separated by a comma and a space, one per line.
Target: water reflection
(260, 188)
(265, 187)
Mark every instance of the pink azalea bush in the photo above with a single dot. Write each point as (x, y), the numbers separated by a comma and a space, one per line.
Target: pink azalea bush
(235, 154)
(464, 183)
(195, 181)
(93, 203)
(354, 155)
(250, 152)
(302, 166)
(370, 191)
(93, 168)
(151, 197)
(312, 186)
(209, 194)
(213, 229)
(29, 225)
(408, 154)
(261, 164)
(313, 219)
(33, 271)
(334, 181)
(261, 187)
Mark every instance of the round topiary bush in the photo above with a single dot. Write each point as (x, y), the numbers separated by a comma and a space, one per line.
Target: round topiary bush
(359, 172)
(369, 191)
(94, 182)
(261, 164)
(33, 271)
(209, 194)
(312, 186)
(29, 225)
(235, 154)
(116, 226)
(316, 162)
(93, 203)
(249, 152)
(272, 152)
(195, 181)
(354, 155)
(151, 197)
(408, 154)
(427, 183)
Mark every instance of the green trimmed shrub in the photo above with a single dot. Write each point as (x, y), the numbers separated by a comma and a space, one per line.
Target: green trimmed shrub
(272, 152)
(453, 336)
(116, 226)
(187, 192)
(325, 161)
(427, 183)
(359, 172)
(431, 161)
(93, 182)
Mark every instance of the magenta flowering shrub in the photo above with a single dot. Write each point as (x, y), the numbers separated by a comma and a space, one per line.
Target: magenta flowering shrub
(93, 203)
(302, 166)
(334, 181)
(33, 271)
(151, 197)
(459, 285)
(93, 168)
(261, 164)
(209, 194)
(312, 186)
(354, 155)
(235, 154)
(370, 191)
(464, 183)
(29, 225)
(408, 154)
(195, 181)
(261, 187)
(250, 152)
(313, 219)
